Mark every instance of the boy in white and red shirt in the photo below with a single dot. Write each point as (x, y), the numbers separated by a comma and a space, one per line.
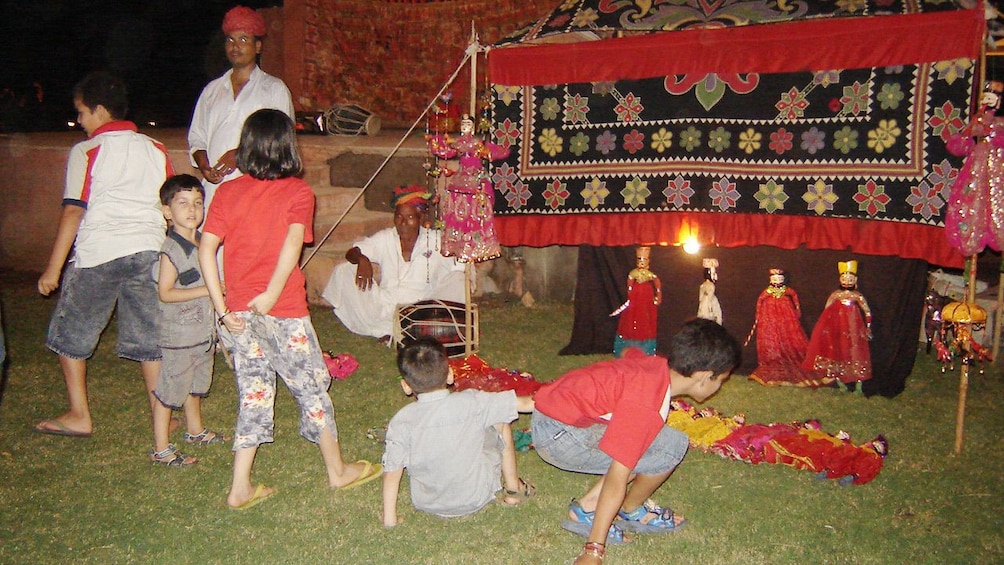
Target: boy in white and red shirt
(112, 220)
(609, 419)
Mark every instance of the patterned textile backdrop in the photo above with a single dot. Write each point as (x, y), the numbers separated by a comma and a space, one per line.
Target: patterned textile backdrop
(853, 143)
(718, 110)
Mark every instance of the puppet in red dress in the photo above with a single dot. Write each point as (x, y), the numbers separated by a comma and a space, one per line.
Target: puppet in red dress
(780, 339)
(839, 345)
(466, 205)
(639, 314)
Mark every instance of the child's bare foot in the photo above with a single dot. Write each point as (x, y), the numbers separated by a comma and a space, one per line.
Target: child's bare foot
(247, 498)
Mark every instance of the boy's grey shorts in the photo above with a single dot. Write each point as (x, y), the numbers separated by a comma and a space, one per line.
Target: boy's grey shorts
(184, 372)
(87, 299)
(577, 449)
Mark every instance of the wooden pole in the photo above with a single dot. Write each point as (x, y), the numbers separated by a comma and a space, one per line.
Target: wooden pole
(468, 315)
(472, 51)
(998, 311)
(960, 411)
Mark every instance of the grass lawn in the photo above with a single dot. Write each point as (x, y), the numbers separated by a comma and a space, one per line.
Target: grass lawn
(99, 500)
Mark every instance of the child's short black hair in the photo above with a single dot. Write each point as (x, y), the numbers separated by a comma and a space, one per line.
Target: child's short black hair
(267, 149)
(101, 88)
(703, 345)
(424, 365)
(178, 183)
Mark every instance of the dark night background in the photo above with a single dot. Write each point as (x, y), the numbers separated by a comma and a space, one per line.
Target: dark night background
(166, 50)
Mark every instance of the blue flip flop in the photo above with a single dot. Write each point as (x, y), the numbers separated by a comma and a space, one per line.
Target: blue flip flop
(662, 521)
(583, 524)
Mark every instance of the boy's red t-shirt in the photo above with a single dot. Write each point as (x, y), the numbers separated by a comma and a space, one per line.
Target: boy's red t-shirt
(627, 395)
(252, 218)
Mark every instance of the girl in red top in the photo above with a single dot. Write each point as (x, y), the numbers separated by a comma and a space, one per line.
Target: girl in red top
(264, 218)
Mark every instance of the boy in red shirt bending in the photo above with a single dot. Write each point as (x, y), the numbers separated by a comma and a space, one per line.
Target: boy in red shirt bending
(609, 419)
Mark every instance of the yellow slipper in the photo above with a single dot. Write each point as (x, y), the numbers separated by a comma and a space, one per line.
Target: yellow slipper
(370, 472)
(259, 496)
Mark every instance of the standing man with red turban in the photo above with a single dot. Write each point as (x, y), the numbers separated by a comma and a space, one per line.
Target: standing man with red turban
(228, 100)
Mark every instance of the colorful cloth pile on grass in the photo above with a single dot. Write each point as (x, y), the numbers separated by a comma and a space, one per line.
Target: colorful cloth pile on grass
(802, 445)
(474, 372)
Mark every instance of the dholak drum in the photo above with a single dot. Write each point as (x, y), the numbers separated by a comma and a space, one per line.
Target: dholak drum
(439, 319)
(351, 120)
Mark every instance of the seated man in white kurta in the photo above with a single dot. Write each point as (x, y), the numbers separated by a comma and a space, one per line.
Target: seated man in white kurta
(412, 269)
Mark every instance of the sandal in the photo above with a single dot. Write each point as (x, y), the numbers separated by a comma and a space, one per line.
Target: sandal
(207, 437)
(583, 524)
(171, 457)
(520, 495)
(663, 520)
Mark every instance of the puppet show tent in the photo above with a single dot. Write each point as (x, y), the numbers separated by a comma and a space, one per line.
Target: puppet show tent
(789, 134)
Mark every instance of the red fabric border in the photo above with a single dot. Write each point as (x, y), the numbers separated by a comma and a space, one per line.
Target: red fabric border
(870, 237)
(835, 43)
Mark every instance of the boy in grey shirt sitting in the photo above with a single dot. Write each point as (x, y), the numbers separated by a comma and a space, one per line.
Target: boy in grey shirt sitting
(454, 445)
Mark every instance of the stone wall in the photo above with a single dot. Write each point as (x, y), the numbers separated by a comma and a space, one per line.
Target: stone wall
(33, 168)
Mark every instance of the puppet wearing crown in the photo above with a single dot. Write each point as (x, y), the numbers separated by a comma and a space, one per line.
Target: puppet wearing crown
(639, 314)
(838, 348)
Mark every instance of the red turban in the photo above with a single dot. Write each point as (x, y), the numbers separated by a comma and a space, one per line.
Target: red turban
(241, 18)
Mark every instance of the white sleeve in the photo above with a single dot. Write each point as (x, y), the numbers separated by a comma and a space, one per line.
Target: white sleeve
(198, 136)
(285, 103)
(76, 170)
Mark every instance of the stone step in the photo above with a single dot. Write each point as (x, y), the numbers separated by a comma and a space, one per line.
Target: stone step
(335, 199)
(317, 174)
(356, 225)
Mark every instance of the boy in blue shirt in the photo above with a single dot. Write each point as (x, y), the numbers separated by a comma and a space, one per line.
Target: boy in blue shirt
(454, 445)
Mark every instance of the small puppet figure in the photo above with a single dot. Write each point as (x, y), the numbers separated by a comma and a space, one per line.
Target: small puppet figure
(975, 212)
(708, 306)
(467, 203)
(780, 339)
(639, 313)
(838, 347)
(955, 339)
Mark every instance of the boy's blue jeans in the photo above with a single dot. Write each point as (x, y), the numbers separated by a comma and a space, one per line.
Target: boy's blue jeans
(576, 449)
(88, 297)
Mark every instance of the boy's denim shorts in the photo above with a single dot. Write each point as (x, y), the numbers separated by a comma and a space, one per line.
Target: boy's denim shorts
(87, 299)
(577, 449)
